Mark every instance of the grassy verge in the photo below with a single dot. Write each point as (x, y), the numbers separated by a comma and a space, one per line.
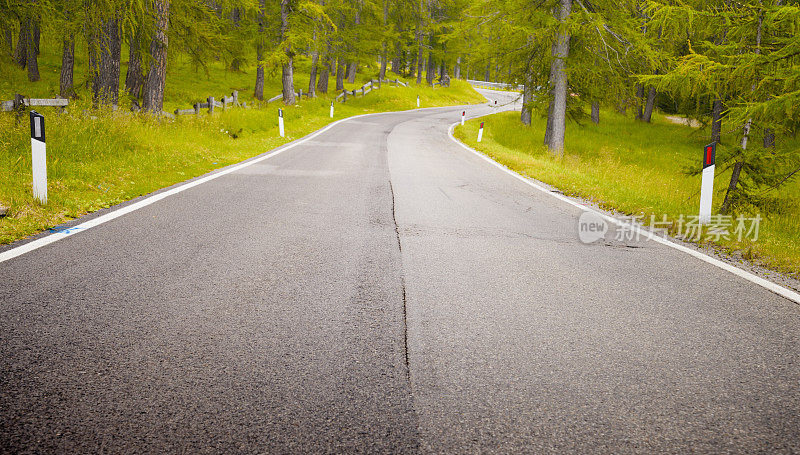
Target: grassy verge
(638, 169)
(100, 158)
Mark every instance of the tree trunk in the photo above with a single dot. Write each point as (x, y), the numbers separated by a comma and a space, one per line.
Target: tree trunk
(488, 74)
(9, 40)
(384, 45)
(340, 69)
(595, 112)
(134, 79)
(66, 83)
(33, 52)
(384, 64)
(726, 203)
(236, 61)
(312, 78)
(36, 32)
(352, 67)
(769, 138)
(639, 96)
(548, 129)
(287, 81)
(106, 62)
(716, 121)
(527, 96)
(457, 69)
(324, 74)
(21, 53)
(153, 99)
(737, 169)
(430, 72)
(648, 107)
(287, 71)
(419, 42)
(258, 93)
(398, 58)
(557, 117)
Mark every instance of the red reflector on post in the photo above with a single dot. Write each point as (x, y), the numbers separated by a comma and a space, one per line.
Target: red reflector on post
(481, 124)
(709, 155)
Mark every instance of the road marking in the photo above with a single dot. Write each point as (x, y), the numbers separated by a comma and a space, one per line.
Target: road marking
(769, 285)
(66, 232)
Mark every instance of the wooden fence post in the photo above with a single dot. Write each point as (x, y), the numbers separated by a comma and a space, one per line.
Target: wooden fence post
(196, 108)
(210, 104)
(344, 100)
(235, 96)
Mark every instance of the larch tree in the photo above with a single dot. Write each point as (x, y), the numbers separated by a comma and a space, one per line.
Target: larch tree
(756, 67)
(153, 90)
(105, 47)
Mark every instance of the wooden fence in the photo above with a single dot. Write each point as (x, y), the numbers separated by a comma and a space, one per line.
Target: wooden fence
(368, 87)
(211, 103)
(20, 100)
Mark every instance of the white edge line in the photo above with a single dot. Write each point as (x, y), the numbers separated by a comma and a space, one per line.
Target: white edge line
(38, 243)
(769, 285)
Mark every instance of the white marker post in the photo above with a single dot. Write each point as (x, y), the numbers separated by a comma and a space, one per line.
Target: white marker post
(707, 184)
(463, 114)
(417, 100)
(38, 157)
(280, 122)
(480, 132)
(331, 109)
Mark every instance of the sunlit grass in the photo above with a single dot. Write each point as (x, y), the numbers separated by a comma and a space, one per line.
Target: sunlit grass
(637, 169)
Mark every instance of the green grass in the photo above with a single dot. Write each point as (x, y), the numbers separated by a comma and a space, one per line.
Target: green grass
(637, 169)
(97, 159)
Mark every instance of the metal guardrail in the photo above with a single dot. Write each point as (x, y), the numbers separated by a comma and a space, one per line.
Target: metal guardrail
(495, 85)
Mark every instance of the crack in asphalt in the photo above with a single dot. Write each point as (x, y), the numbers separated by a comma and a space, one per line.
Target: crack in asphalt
(402, 282)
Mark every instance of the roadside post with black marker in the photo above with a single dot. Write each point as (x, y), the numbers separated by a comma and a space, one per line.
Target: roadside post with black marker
(707, 183)
(331, 109)
(280, 122)
(38, 157)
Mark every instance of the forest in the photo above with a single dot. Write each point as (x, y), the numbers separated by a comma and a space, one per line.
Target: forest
(731, 64)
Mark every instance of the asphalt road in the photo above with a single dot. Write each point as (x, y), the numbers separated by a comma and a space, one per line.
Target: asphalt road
(380, 289)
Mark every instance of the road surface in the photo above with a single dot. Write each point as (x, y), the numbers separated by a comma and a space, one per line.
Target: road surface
(380, 289)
